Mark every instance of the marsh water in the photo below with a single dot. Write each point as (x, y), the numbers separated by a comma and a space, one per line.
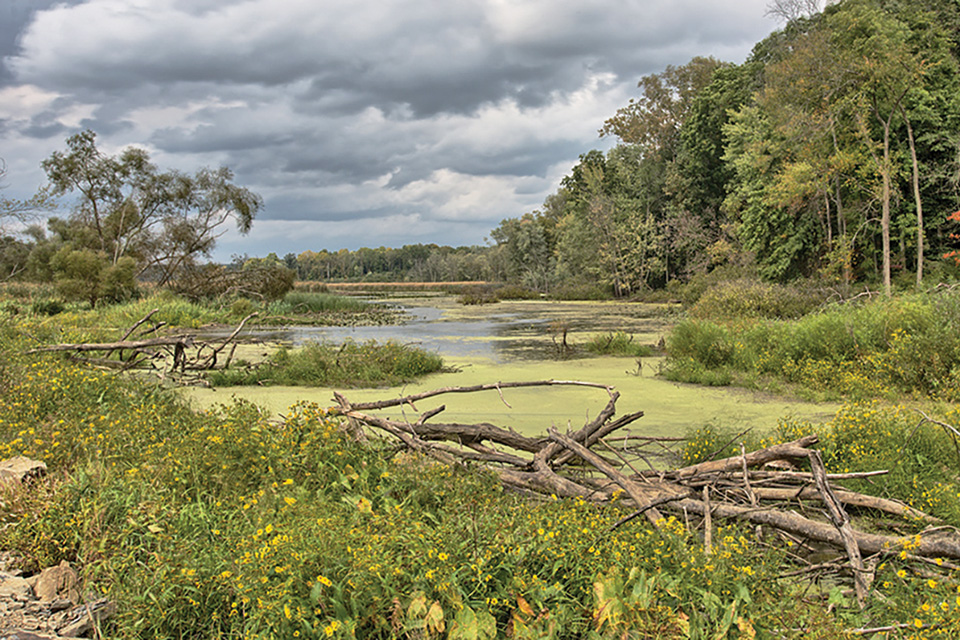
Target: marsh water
(523, 340)
(502, 333)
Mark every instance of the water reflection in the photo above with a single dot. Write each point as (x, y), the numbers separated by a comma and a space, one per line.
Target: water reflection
(504, 333)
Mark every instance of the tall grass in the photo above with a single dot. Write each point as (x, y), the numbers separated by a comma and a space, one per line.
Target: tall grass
(303, 302)
(888, 347)
(350, 364)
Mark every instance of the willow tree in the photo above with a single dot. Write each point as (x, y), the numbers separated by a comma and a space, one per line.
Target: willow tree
(163, 220)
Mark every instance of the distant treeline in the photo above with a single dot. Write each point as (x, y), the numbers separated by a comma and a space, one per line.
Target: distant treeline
(410, 263)
(832, 152)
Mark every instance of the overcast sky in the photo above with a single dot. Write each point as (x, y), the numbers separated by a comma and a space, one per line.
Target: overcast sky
(360, 122)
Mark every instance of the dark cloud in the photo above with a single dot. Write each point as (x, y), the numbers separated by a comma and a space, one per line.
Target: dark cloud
(430, 116)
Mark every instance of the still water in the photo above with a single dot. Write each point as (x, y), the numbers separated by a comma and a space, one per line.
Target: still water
(505, 332)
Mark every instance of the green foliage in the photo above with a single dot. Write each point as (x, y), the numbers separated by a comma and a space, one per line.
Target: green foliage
(478, 295)
(748, 298)
(581, 291)
(516, 292)
(350, 364)
(618, 343)
(47, 307)
(260, 280)
(128, 208)
(82, 274)
(229, 523)
(904, 345)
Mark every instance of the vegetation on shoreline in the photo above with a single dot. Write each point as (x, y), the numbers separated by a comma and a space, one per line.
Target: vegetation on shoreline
(228, 524)
(618, 343)
(885, 348)
(351, 364)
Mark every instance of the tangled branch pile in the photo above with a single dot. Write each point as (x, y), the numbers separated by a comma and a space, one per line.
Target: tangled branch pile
(181, 356)
(766, 488)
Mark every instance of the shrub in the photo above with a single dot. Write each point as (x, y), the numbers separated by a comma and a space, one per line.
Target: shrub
(901, 345)
(517, 292)
(478, 295)
(350, 364)
(262, 280)
(47, 307)
(618, 343)
(746, 298)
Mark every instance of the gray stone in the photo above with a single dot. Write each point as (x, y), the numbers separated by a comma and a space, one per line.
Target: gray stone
(57, 582)
(20, 468)
(88, 615)
(14, 588)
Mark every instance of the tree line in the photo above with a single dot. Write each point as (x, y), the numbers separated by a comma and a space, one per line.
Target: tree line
(832, 152)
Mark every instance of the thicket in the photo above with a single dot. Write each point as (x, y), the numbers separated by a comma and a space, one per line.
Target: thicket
(226, 523)
(880, 348)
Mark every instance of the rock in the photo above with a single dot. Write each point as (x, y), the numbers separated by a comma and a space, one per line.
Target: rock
(23, 634)
(88, 615)
(56, 583)
(14, 588)
(19, 469)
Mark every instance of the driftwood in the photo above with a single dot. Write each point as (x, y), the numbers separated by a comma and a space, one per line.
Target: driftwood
(167, 355)
(751, 487)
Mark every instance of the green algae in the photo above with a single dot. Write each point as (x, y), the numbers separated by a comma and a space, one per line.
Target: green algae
(670, 409)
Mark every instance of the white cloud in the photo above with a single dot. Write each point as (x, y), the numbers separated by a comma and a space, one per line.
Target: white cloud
(428, 117)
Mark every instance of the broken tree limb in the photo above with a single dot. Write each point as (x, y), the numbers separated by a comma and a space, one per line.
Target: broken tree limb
(644, 496)
(113, 346)
(932, 545)
(411, 399)
(795, 449)
(893, 507)
(841, 521)
(565, 466)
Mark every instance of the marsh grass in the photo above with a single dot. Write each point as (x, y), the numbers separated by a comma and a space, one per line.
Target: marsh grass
(306, 302)
(906, 345)
(350, 364)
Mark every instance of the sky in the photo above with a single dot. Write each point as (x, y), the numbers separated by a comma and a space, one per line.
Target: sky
(360, 122)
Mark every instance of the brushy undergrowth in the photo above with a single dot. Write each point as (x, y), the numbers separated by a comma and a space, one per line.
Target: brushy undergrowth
(905, 345)
(618, 343)
(921, 459)
(351, 364)
(230, 524)
(750, 298)
(301, 302)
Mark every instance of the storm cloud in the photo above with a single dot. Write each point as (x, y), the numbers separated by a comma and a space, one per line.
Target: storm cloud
(361, 122)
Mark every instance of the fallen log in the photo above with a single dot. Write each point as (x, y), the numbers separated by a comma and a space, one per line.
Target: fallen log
(563, 465)
(170, 349)
(937, 544)
(168, 341)
(893, 507)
